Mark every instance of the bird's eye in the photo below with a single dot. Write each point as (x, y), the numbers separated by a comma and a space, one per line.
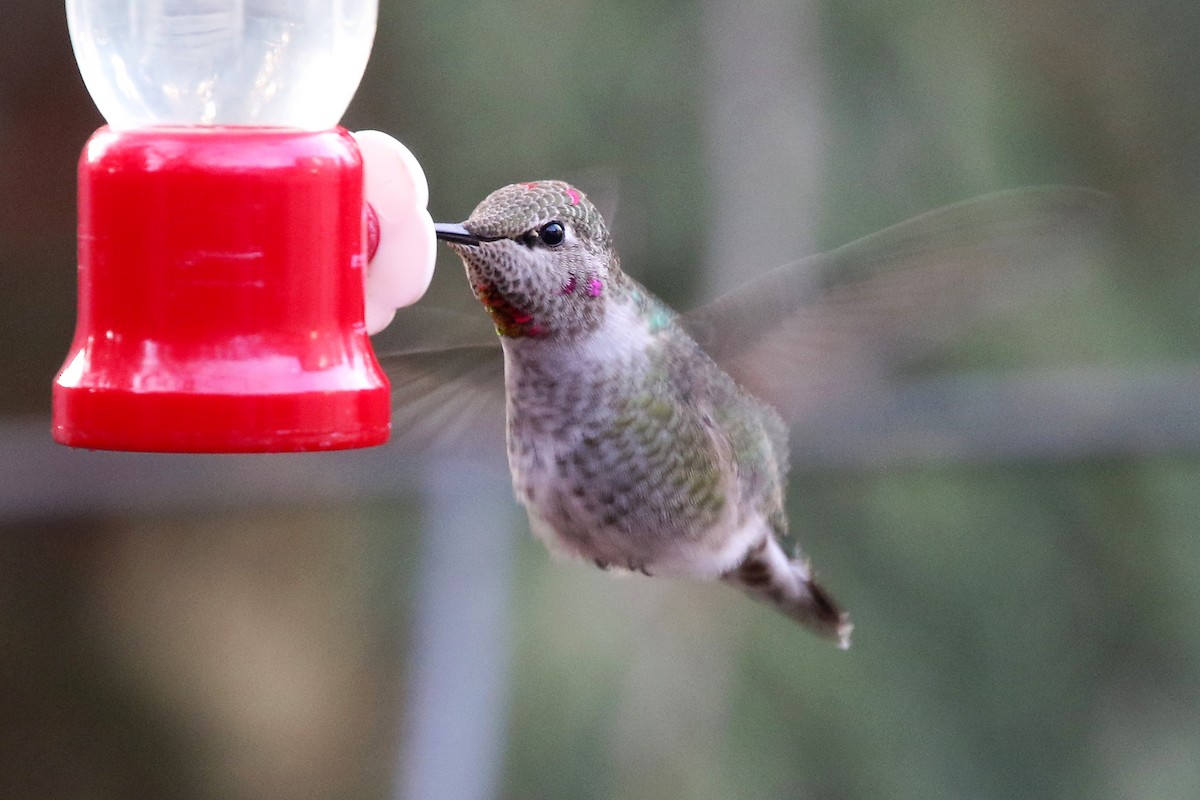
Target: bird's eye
(552, 233)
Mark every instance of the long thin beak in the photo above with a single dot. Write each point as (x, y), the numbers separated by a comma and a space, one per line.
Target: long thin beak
(455, 233)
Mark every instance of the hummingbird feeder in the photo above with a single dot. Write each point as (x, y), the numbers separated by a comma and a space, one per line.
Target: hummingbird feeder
(223, 231)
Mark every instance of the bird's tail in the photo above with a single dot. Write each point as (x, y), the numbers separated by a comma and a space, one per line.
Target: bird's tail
(786, 584)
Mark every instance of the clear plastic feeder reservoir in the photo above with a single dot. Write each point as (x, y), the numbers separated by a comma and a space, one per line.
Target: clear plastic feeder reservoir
(222, 241)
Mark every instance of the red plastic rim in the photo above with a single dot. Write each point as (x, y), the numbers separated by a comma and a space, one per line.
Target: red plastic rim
(220, 295)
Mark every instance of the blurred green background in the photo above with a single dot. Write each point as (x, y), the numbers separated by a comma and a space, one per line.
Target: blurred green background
(374, 625)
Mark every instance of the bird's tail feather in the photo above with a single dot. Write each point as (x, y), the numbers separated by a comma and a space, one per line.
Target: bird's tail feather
(786, 584)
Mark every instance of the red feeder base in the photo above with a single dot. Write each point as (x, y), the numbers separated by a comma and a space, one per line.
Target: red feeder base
(220, 296)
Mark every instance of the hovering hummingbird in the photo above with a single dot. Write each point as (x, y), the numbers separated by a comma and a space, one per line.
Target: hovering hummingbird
(643, 440)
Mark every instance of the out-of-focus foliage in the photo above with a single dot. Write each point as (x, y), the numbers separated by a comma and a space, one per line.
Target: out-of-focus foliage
(1023, 630)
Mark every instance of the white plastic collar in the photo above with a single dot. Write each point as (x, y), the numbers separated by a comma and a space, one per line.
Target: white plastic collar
(396, 189)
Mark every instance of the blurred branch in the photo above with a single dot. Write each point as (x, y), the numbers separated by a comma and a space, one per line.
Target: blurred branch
(1030, 416)
(1051, 415)
(40, 478)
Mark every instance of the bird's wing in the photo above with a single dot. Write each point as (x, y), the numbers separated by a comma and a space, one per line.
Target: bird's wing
(449, 398)
(806, 334)
(447, 376)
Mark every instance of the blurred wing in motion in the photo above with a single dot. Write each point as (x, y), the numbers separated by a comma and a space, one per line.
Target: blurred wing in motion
(447, 376)
(447, 399)
(809, 333)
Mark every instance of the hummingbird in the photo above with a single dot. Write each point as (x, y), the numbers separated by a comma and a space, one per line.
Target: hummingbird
(647, 441)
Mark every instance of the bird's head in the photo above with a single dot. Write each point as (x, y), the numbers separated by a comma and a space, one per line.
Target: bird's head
(540, 259)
